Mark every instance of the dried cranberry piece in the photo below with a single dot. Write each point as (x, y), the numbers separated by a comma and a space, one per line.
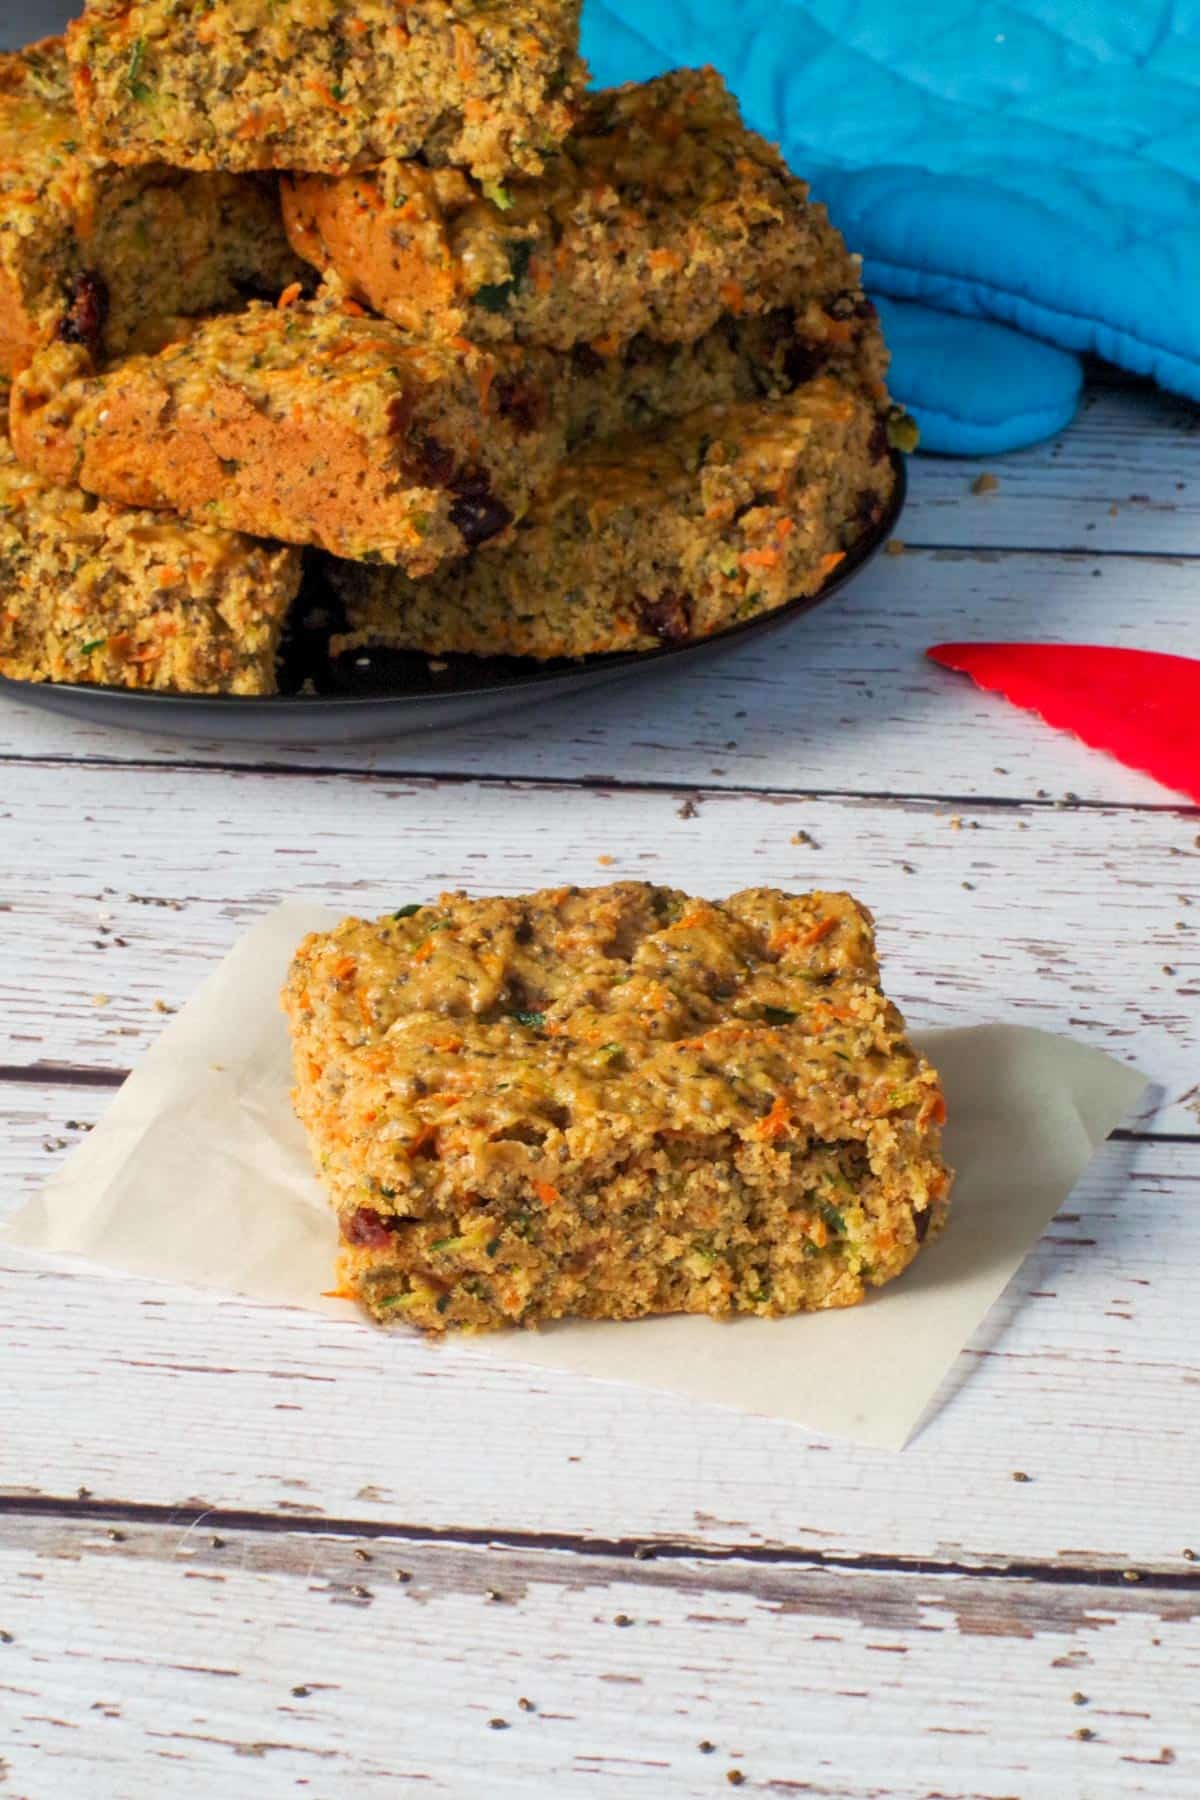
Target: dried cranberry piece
(802, 362)
(921, 1223)
(866, 507)
(779, 326)
(479, 516)
(878, 445)
(668, 618)
(472, 481)
(85, 318)
(368, 1227)
(521, 400)
(587, 360)
(434, 463)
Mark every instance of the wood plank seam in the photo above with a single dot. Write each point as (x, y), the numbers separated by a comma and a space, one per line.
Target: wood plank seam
(608, 784)
(1097, 554)
(218, 1519)
(46, 1075)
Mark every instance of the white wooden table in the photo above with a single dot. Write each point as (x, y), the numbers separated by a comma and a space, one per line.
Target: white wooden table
(249, 1552)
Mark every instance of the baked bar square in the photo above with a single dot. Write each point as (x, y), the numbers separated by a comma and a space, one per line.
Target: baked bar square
(661, 214)
(307, 423)
(610, 1102)
(100, 593)
(98, 253)
(651, 538)
(328, 84)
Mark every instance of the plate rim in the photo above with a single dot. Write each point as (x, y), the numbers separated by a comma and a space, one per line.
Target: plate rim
(538, 675)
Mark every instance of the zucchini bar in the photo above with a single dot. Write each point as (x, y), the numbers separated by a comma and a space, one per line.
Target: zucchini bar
(306, 423)
(610, 1102)
(94, 592)
(760, 356)
(651, 538)
(94, 252)
(661, 214)
(327, 84)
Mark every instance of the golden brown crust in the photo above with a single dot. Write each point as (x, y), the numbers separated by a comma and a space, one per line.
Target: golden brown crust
(311, 425)
(613, 1101)
(661, 214)
(93, 592)
(327, 84)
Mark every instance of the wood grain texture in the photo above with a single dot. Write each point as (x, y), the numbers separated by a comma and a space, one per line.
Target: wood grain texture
(153, 1660)
(1084, 1377)
(843, 700)
(984, 913)
(1125, 476)
(954, 1622)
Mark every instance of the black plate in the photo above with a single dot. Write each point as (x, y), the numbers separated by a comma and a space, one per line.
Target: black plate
(389, 693)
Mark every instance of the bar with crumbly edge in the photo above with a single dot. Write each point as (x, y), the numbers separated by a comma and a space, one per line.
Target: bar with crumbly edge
(312, 424)
(331, 85)
(660, 214)
(611, 1102)
(91, 592)
(652, 538)
(97, 253)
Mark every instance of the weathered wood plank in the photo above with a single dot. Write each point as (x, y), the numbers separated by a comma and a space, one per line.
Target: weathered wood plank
(990, 913)
(843, 701)
(810, 1678)
(156, 1660)
(1124, 476)
(1084, 1379)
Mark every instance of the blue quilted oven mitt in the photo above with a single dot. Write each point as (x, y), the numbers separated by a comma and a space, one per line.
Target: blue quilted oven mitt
(1034, 167)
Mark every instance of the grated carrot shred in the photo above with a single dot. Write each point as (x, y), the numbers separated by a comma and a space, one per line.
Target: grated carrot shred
(776, 1121)
(820, 930)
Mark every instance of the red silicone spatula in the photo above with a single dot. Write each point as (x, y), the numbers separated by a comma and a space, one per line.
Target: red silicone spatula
(1142, 706)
